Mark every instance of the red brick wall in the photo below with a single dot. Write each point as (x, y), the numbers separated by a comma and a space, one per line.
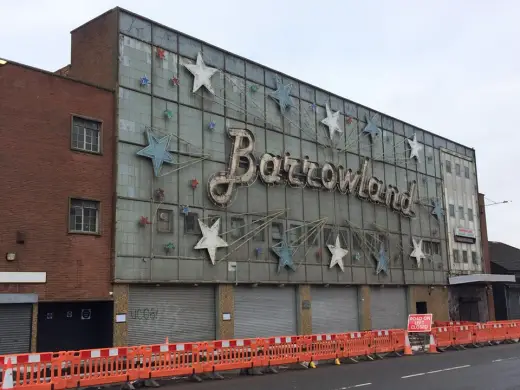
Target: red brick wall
(94, 51)
(485, 253)
(40, 172)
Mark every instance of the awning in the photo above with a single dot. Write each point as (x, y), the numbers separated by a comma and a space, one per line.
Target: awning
(482, 278)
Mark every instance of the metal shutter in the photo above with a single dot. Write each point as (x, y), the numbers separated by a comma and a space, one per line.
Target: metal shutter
(265, 311)
(388, 308)
(181, 313)
(334, 309)
(514, 303)
(15, 328)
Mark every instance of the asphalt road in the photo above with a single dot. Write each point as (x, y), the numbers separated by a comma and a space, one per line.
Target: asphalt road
(487, 368)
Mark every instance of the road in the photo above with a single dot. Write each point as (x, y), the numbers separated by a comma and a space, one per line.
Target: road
(488, 368)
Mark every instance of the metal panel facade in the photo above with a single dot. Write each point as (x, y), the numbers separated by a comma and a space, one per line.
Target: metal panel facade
(15, 328)
(334, 309)
(265, 311)
(388, 308)
(181, 313)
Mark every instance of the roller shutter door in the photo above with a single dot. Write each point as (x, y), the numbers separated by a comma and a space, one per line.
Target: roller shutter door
(181, 313)
(334, 309)
(514, 303)
(388, 308)
(265, 311)
(15, 328)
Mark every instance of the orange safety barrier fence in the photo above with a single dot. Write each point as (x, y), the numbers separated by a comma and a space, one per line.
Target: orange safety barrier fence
(72, 369)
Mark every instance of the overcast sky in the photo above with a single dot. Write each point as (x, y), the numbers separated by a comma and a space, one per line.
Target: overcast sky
(450, 67)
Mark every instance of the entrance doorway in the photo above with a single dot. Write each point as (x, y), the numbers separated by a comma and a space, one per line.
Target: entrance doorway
(72, 326)
(421, 307)
(468, 310)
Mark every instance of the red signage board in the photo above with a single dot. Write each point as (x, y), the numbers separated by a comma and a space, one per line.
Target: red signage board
(421, 323)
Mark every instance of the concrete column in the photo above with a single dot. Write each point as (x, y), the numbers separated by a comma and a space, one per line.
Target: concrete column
(120, 307)
(225, 305)
(34, 327)
(365, 315)
(304, 311)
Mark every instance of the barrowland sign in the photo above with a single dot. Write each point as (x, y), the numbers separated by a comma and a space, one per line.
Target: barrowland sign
(296, 172)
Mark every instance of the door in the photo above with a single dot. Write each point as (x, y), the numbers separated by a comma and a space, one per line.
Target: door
(514, 303)
(388, 308)
(334, 309)
(181, 313)
(468, 310)
(265, 311)
(15, 328)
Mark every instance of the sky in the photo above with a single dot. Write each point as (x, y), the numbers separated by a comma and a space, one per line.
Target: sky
(449, 67)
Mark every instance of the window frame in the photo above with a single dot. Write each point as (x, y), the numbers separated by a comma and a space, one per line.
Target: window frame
(170, 216)
(465, 258)
(451, 210)
(467, 173)
(98, 216)
(196, 230)
(456, 256)
(448, 166)
(457, 169)
(462, 212)
(100, 138)
(474, 259)
(471, 217)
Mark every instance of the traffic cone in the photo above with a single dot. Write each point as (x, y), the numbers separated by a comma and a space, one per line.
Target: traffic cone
(7, 380)
(407, 346)
(337, 362)
(168, 352)
(433, 345)
(312, 365)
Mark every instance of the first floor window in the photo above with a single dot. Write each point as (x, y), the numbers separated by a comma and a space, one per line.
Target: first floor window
(85, 134)
(456, 258)
(84, 216)
(474, 259)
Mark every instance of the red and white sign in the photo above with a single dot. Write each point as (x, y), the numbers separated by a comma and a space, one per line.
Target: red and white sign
(421, 323)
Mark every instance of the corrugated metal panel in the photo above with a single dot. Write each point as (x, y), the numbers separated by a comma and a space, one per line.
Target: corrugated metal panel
(388, 308)
(334, 309)
(265, 311)
(181, 313)
(514, 303)
(15, 328)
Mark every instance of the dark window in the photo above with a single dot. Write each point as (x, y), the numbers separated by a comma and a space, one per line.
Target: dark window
(277, 232)
(296, 235)
(470, 214)
(421, 307)
(436, 248)
(448, 166)
(85, 134)
(452, 210)
(466, 172)
(356, 241)
(238, 228)
(457, 169)
(259, 228)
(84, 216)
(465, 257)
(461, 212)
(474, 258)
(164, 221)
(191, 223)
(427, 247)
(456, 258)
(312, 235)
(328, 236)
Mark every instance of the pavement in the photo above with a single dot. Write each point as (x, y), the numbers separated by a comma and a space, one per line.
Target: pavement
(487, 368)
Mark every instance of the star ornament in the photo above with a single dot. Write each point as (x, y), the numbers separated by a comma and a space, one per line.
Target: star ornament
(415, 147)
(371, 129)
(438, 211)
(338, 253)
(202, 74)
(282, 95)
(285, 255)
(332, 121)
(210, 239)
(157, 151)
(382, 261)
(417, 252)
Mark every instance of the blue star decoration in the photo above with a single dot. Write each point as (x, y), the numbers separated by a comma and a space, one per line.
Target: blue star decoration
(371, 129)
(144, 81)
(282, 95)
(382, 261)
(285, 255)
(157, 151)
(438, 211)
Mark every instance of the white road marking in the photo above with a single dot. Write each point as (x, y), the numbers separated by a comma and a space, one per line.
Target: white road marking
(363, 384)
(355, 386)
(435, 371)
(502, 360)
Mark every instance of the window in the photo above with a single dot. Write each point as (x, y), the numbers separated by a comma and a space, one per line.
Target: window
(466, 172)
(259, 227)
(457, 169)
(427, 247)
(238, 228)
(84, 216)
(465, 257)
(164, 221)
(356, 241)
(448, 166)
(328, 238)
(461, 212)
(277, 232)
(295, 235)
(191, 224)
(456, 258)
(312, 235)
(470, 214)
(474, 258)
(452, 210)
(212, 219)
(436, 248)
(85, 134)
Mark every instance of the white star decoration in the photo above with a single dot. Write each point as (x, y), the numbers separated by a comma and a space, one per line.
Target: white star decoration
(338, 253)
(210, 239)
(415, 146)
(332, 121)
(202, 74)
(417, 252)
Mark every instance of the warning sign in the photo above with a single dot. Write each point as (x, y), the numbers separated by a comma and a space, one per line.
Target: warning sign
(421, 323)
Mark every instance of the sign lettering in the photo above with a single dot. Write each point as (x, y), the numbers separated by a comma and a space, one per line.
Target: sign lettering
(273, 169)
(420, 323)
(144, 314)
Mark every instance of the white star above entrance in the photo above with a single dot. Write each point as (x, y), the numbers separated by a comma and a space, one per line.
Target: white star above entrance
(332, 121)
(201, 74)
(338, 253)
(417, 252)
(210, 239)
(415, 147)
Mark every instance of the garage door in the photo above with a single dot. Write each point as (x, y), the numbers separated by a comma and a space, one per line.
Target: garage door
(388, 308)
(181, 313)
(514, 303)
(265, 311)
(15, 328)
(334, 309)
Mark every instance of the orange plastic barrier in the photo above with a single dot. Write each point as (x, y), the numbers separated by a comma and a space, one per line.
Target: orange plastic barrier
(443, 336)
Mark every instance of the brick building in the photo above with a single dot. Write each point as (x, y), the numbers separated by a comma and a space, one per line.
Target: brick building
(57, 211)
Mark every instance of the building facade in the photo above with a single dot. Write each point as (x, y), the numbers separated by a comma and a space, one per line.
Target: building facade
(57, 205)
(505, 259)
